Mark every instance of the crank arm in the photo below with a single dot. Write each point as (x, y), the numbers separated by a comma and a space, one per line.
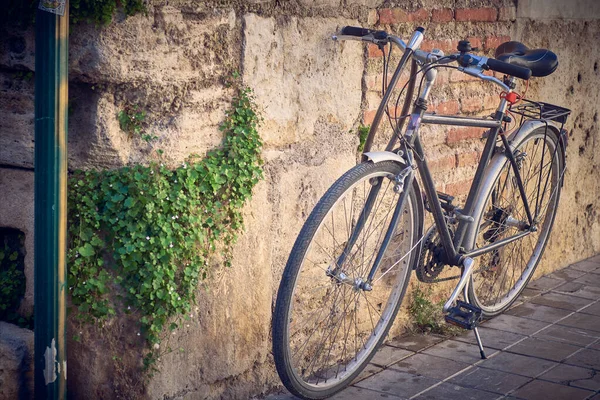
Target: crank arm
(468, 264)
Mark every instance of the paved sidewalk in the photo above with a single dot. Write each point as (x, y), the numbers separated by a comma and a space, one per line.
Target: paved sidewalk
(547, 346)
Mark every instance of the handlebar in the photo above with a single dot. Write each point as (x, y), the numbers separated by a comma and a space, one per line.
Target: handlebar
(481, 63)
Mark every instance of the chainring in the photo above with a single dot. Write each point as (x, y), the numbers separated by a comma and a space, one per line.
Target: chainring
(430, 267)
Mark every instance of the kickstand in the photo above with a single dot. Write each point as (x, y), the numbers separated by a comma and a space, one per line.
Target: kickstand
(476, 331)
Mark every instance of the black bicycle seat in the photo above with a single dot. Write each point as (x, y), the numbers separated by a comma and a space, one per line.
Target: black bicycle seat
(541, 62)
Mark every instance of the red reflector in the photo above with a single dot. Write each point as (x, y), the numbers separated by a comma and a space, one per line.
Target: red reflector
(511, 97)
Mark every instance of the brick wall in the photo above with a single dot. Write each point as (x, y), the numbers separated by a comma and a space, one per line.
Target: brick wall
(453, 152)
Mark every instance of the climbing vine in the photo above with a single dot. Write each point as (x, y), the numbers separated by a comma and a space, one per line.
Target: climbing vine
(12, 277)
(150, 230)
(100, 12)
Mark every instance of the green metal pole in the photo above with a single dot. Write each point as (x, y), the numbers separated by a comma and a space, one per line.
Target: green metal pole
(51, 97)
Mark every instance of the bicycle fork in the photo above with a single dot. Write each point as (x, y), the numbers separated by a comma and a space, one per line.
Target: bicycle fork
(403, 182)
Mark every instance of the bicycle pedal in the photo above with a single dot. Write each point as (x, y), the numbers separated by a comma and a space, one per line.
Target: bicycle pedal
(464, 315)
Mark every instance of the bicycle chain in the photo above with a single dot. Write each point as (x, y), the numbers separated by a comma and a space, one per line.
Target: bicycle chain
(428, 272)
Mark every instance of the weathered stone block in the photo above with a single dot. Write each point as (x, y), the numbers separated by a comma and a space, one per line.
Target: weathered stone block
(16, 362)
(16, 192)
(16, 124)
(299, 75)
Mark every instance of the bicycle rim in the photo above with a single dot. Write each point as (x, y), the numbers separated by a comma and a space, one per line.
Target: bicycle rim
(326, 330)
(502, 274)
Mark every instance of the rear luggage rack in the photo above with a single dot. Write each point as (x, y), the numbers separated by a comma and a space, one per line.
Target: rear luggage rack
(543, 111)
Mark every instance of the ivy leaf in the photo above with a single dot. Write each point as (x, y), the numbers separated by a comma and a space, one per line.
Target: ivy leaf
(86, 250)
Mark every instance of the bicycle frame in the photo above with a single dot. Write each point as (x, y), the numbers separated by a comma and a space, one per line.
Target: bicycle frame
(457, 249)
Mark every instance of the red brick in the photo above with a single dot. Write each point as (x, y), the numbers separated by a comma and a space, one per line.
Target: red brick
(443, 76)
(442, 15)
(369, 116)
(458, 134)
(468, 158)
(389, 16)
(491, 102)
(459, 188)
(447, 107)
(476, 14)
(492, 42)
(420, 15)
(374, 51)
(446, 45)
(471, 104)
(386, 16)
(457, 76)
(475, 42)
(442, 163)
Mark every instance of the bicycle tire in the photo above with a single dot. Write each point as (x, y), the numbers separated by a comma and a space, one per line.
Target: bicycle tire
(502, 274)
(299, 324)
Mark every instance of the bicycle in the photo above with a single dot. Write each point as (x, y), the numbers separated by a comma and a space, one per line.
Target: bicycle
(350, 266)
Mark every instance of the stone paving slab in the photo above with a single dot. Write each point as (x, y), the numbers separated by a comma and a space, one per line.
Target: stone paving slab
(538, 312)
(416, 342)
(570, 335)
(369, 370)
(579, 290)
(545, 349)
(397, 383)
(455, 350)
(547, 346)
(496, 381)
(582, 321)
(430, 366)
(571, 375)
(388, 355)
(563, 301)
(592, 279)
(449, 391)
(588, 265)
(567, 274)
(543, 390)
(356, 393)
(546, 283)
(529, 293)
(593, 309)
(510, 323)
(588, 358)
(518, 364)
(494, 339)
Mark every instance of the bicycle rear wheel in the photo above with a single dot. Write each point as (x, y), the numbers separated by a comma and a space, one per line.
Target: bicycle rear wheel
(502, 274)
(326, 325)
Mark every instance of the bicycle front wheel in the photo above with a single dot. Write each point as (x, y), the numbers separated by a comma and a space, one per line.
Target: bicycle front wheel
(502, 274)
(327, 323)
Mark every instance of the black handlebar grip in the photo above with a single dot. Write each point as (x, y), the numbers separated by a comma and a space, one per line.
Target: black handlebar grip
(509, 69)
(355, 31)
(360, 32)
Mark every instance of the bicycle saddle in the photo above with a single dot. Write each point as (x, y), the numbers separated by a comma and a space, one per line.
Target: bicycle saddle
(541, 62)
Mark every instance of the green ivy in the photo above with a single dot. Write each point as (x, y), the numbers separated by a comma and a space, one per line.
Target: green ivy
(131, 120)
(100, 12)
(150, 230)
(363, 133)
(12, 278)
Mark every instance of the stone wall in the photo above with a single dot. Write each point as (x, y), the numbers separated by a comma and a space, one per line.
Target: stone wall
(313, 93)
